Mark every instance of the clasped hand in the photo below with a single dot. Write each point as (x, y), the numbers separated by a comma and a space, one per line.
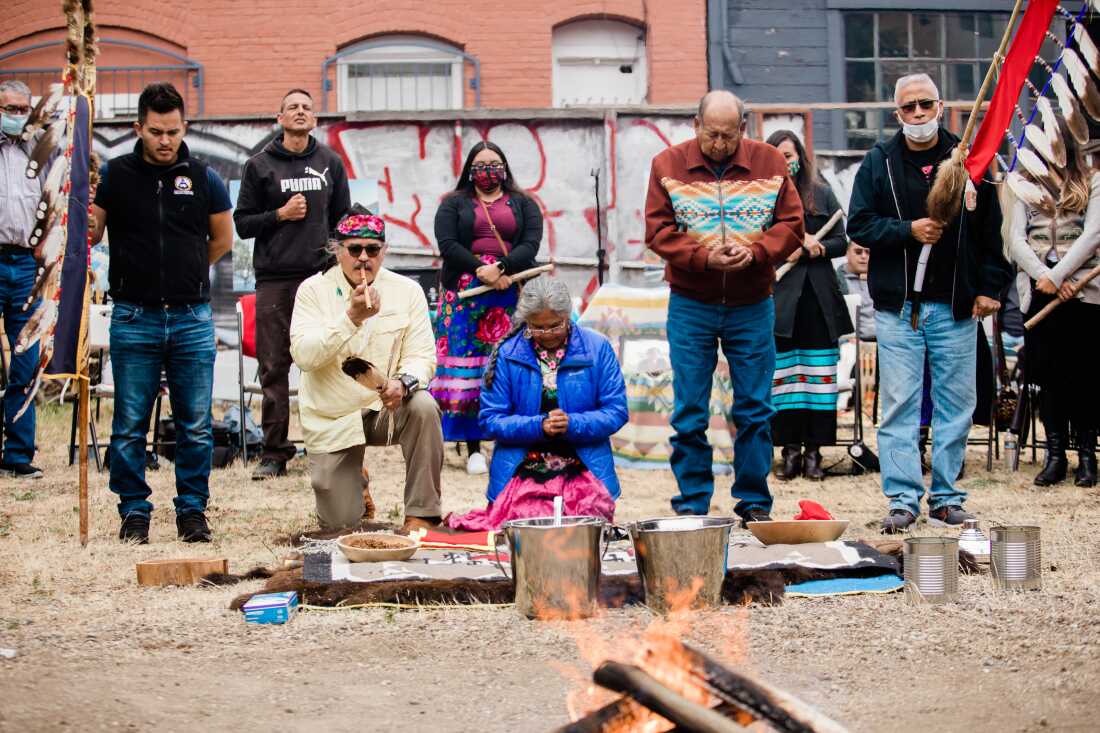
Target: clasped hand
(555, 423)
(1046, 286)
(729, 258)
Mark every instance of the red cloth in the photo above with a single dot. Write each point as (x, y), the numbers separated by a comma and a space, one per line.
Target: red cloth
(812, 510)
(1018, 62)
(436, 540)
(248, 324)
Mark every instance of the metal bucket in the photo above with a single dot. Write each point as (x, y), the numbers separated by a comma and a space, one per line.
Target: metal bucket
(1016, 558)
(931, 569)
(679, 555)
(555, 567)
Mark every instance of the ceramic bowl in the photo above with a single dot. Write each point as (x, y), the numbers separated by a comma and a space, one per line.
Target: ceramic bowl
(798, 531)
(405, 547)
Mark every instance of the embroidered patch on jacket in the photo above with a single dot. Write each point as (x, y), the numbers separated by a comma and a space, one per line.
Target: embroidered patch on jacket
(730, 212)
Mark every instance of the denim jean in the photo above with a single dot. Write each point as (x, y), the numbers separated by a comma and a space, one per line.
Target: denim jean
(744, 333)
(951, 355)
(180, 341)
(17, 273)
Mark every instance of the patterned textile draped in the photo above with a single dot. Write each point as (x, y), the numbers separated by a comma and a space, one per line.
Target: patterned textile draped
(633, 319)
(724, 212)
(805, 379)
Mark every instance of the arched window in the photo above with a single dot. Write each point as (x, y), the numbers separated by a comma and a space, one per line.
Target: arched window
(400, 72)
(599, 62)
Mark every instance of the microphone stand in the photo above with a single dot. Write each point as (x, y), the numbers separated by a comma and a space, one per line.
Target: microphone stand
(601, 253)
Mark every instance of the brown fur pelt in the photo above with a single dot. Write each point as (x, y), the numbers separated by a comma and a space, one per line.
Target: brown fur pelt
(945, 199)
(256, 573)
(294, 539)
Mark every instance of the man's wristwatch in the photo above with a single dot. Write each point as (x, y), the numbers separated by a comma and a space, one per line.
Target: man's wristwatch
(410, 383)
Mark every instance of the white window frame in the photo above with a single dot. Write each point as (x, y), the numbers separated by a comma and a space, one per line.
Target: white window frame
(401, 50)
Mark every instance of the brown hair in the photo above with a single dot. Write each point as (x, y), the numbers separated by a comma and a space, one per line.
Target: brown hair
(1076, 176)
(806, 178)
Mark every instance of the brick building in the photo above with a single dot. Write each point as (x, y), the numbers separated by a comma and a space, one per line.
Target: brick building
(237, 59)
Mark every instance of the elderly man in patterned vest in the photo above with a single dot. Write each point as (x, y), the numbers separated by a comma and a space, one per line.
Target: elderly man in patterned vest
(722, 212)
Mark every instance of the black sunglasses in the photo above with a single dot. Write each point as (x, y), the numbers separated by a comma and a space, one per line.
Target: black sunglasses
(911, 107)
(356, 250)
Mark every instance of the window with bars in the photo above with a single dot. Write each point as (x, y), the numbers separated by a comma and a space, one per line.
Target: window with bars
(880, 47)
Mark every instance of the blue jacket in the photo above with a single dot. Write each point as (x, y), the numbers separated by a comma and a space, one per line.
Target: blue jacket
(590, 390)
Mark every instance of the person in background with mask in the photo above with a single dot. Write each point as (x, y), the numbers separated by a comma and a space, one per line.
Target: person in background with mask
(852, 277)
(487, 229)
(966, 272)
(18, 268)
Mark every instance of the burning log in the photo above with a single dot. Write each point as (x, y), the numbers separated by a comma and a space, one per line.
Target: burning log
(687, 715)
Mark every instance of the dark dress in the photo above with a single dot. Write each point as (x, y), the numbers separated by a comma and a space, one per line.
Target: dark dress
(810, 318)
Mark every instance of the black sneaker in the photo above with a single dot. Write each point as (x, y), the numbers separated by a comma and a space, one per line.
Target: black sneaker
(898, 521)
(20, 470)
(192, 527)
(268, 469)
(754, 515)
(949, 516)
(134, 529)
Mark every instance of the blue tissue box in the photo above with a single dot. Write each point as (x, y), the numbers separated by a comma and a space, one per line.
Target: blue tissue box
(271, 608)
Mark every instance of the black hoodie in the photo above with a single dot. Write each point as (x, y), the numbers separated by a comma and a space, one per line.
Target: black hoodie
(880, 217)
(290, 250)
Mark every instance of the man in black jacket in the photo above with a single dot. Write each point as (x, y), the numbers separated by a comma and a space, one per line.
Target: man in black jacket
(292, 194)
(964, 274)
(168, 216)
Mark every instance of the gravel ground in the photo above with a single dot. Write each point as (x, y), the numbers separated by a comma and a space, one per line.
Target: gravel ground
(94, 651)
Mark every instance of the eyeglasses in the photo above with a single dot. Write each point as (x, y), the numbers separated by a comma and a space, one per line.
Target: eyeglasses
(558, 328)
(16, 109)
(482, 167)
(925, 104)
(356, 250)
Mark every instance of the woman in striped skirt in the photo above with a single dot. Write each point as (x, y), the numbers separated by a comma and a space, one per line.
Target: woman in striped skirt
(810, 317)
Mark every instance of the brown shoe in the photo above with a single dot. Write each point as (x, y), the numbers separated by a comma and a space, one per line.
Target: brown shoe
(412, 523)
(368, 502)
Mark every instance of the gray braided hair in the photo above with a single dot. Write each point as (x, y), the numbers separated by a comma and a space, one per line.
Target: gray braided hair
(539, 294)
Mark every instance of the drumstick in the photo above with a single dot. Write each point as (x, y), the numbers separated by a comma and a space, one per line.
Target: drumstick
(1034, 320)
(786, 267)
(525, 275)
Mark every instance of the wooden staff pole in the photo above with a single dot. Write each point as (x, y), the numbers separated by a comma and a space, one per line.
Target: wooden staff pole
(786, 267)
(82, 417)
(518, 277)
(1035, 319)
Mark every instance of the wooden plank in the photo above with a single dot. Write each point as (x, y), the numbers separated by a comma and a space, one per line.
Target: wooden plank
(179, 571)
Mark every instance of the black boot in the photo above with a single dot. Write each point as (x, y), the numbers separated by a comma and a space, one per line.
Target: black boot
(1085, 475)
(811, 464)
(1054, 470)
(792, 463)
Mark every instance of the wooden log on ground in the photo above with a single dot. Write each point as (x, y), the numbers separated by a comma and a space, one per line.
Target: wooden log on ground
(685, 714)
(181, 571)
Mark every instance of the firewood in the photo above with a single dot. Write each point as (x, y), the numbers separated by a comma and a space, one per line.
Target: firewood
(179, 571)
(686, 715)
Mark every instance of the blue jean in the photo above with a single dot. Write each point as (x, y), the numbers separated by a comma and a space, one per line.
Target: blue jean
(949, 346)
(145, 340)
(744, 332)
(17, 273)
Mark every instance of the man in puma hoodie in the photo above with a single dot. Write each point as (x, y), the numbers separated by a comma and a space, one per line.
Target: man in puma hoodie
(292, 194)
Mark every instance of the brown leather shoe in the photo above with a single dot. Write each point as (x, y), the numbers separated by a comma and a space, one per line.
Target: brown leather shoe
(368, 502)
(792, 463)
(412, 523)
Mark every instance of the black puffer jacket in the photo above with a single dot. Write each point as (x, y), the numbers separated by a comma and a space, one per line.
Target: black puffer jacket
(454, 233)
(879, 219)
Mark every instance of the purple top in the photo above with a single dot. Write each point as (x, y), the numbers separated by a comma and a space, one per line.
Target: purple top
(485, 243)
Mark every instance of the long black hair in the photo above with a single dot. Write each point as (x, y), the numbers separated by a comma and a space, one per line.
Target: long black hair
(806, 179)
(466, 185)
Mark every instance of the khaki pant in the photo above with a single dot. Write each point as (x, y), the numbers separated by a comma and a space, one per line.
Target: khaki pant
(337, 478)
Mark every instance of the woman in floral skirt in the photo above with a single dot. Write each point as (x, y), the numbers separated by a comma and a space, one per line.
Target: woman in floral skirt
(487, 230)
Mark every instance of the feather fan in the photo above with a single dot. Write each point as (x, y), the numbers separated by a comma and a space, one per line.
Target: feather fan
(1086, 47)
(45, 147)
(1037, 169)
(1034, 196)
(1038, 140)
(42, 111)
(1071, 110)
(38, 325)
(51, 187)
(1052, 131)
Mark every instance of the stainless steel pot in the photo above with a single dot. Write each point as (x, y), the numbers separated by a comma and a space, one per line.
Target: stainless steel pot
(682, 560)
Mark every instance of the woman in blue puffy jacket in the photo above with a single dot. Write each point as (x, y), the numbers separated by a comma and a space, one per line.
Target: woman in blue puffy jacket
(553, 395)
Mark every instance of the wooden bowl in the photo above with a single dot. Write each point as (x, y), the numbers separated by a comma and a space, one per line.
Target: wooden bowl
(404, 547)
(798, 531)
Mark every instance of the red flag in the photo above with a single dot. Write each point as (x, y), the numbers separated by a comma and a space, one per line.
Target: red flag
(1018, 62)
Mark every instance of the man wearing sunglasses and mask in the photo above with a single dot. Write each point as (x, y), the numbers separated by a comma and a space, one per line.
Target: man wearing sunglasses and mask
(964, 274)
(355, 314)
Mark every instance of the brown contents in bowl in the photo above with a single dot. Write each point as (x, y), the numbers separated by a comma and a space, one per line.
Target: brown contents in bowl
(375, 543)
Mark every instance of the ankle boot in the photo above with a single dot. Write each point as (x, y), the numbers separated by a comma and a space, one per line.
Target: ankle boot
(792, 463)
(1054, 470)
(1085, 475)
(811, 464)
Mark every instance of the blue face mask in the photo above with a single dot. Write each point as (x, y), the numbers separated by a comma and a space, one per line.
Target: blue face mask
(12, 124)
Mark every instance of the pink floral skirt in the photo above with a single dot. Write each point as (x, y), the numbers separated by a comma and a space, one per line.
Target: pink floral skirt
(524, 498)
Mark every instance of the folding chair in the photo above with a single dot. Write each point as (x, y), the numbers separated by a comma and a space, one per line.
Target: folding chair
(246, 340)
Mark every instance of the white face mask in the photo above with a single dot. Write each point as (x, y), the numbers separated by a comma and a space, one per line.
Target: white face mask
(923, 132)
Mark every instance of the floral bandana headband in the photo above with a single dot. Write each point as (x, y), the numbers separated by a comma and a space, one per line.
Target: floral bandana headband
(361, 226)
